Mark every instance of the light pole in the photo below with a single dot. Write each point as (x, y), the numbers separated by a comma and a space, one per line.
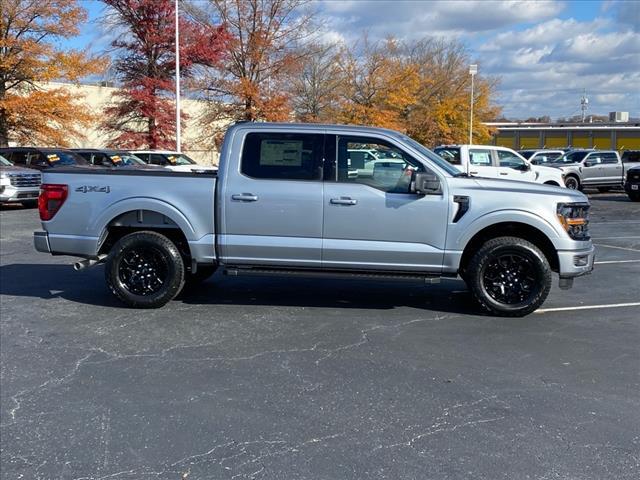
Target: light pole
(473, 69)
(178, 126)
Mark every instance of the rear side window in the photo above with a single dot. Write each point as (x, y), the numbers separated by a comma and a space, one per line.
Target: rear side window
(282, 156)
(480, 157)
(451, 155)
(609, 157)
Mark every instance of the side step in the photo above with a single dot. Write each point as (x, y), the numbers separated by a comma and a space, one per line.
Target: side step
(360, 274)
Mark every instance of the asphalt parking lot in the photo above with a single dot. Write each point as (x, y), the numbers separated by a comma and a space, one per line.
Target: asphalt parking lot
(305, 379)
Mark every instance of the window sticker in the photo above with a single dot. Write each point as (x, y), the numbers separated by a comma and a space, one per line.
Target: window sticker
(171, 158)
(116, 159)
(281, 153)
(52, 157)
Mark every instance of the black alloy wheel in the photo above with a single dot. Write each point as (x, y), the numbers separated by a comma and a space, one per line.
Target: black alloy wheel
(509, 278)
(571, 183)
(145, 270)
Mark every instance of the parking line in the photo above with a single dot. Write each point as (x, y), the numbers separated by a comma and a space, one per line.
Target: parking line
(613, 238)
(604, 262)
(619, 248)
(588, 307)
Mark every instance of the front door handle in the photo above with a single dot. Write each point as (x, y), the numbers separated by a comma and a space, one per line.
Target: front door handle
(245, 197)
(343, 201)
(504, 173)
(473, 173)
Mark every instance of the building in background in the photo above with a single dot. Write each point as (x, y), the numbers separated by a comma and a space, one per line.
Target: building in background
(97, 97)
(613, 135)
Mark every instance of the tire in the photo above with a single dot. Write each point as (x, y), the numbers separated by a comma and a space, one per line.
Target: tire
(141, 253)
(572, 182)
(30, 203)
(604, 189)
(202, 273)
(511, 260)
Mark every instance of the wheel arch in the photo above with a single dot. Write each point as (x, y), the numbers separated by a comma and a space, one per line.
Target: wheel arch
(511, 229)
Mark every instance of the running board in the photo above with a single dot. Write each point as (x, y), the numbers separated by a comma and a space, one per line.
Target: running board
(363, 275)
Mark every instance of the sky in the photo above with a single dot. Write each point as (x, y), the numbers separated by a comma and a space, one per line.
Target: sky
(544, 52)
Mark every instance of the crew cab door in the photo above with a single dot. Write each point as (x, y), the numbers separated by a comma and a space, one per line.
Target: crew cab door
(612, 168)
(592, 170)
(272, 200)
(512, 167)
(371, 220)
(481, 163)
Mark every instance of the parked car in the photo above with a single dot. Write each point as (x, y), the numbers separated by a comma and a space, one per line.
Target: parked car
(630, 158)
(602, 169)
(18, 185)
(284, 203)
(109, 158)
(42, 158)
(541, 157)
(632, 183)
(498, 162)
(178, 162)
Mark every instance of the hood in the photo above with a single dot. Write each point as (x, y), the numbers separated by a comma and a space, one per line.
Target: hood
(16, 169)
(545, 169)
(189, 168)
(513, 186)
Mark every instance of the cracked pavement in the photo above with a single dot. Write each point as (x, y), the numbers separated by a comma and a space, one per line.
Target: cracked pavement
(272, 378)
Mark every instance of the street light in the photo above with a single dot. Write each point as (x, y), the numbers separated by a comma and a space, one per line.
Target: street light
(473, 69)
(178, 126)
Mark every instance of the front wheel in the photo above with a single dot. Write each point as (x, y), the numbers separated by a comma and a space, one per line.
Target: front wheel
(572, 182)
(509, 277)
(145, 270)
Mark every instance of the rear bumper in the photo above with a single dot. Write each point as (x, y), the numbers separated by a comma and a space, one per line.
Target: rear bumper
(41, 242)
(574, 263)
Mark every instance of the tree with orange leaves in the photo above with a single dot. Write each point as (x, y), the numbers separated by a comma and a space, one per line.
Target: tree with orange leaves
(29, 59)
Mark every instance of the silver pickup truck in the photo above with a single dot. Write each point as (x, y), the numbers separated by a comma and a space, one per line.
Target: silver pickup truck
(293, 199)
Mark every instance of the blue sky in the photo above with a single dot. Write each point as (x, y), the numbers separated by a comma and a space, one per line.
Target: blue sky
(545, 52)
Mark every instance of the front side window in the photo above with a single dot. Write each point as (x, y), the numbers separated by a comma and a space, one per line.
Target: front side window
(179, 159)
(283, 156)
(480, 157)
(450, 154)
(510, 160)
(387, 168)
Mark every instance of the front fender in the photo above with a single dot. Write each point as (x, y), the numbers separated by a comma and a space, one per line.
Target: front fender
(552, 232)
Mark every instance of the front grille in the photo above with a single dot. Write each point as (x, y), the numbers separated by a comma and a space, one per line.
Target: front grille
(25, 180)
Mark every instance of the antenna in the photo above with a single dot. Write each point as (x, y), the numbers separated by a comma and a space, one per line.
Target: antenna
(584, 104)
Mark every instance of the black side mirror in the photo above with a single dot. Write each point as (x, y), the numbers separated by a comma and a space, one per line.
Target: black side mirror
(426, 184)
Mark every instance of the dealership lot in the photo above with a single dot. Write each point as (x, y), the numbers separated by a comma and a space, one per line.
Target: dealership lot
(280, 378)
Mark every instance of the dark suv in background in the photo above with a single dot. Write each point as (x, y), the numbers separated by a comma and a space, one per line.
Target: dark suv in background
(41, 158)
(109, 158)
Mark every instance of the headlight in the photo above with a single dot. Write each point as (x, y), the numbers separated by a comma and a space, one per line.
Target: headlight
(574, 218)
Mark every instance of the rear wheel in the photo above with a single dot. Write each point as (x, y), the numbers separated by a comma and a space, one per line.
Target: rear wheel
(145, 270)
(572, 182)
(509, 277)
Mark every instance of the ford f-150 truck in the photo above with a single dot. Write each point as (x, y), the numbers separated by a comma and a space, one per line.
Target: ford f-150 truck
(498, 162)
(289, 200)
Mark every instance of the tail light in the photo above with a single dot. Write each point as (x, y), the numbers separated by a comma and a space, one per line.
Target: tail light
(51, 198)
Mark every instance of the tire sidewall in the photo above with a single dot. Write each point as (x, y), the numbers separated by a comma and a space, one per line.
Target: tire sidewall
(169, 253)
(522, 247)
(573, 179)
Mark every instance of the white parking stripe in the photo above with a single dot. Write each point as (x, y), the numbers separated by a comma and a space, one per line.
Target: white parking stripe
(604, 262)
(587, 307)
(619, 248)
(612, 238)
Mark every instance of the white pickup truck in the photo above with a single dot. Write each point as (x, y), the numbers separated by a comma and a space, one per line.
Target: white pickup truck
(491, 161)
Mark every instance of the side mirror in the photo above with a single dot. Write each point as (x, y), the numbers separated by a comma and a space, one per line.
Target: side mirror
(426, 184)
(525, 167)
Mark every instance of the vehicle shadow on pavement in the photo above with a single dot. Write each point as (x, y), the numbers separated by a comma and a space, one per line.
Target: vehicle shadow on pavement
(450, 296)
(48, 281)
(52, 281)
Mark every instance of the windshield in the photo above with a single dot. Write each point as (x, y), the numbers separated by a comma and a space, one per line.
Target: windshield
(180, 159)
(571, 157)
(125, 159)
(4, 162)
(438, 160)
(59, 158)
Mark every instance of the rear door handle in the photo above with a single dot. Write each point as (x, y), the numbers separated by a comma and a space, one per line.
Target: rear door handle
(245, 197)
(343, 201)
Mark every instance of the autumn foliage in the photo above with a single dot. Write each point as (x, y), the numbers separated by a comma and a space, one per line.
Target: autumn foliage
(143, 114)
(29, 59)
